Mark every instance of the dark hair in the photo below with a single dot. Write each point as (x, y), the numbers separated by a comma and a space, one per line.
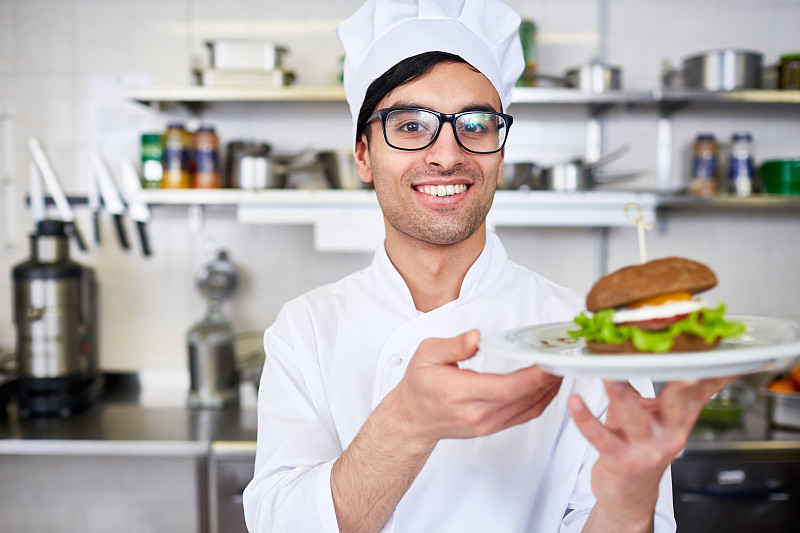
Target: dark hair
(406, 71)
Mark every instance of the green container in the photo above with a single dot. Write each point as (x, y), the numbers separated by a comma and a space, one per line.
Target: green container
(781, 176)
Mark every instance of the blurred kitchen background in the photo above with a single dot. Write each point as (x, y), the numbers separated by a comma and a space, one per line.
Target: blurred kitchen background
(67, 68)
(92, 77)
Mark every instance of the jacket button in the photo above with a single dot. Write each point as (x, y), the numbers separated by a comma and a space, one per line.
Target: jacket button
(395, 360)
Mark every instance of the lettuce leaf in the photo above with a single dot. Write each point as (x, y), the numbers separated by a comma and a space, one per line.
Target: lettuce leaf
(707, 323)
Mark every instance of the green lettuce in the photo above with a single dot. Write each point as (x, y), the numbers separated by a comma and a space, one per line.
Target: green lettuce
(707, 323)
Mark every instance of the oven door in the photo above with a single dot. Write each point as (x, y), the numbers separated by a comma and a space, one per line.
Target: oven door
(737, 491)
(230, 469)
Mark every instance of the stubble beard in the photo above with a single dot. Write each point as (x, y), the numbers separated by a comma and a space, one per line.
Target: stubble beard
(448, 225)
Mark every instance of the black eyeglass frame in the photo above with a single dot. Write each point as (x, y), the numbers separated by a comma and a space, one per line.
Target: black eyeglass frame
(443, 117)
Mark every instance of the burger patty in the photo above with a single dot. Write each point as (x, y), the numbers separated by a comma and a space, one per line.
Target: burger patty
(685, 342)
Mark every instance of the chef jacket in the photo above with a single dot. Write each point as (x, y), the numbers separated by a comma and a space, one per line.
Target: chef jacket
(334, 353)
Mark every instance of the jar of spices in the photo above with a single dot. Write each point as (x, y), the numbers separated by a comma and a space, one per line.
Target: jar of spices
(175, 159)
(206, 159)
(152, 154)
(741, 166)
(789, 71)
(705, 166)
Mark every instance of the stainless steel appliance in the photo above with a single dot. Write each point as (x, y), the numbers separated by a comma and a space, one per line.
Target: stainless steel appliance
(230, 469)
(213, 370)
(737, 490)
(723, 70)
(54, 310)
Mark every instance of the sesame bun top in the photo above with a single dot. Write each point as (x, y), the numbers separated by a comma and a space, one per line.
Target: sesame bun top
(649, 279)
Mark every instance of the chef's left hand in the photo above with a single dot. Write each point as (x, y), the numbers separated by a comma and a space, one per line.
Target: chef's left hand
(639, 440)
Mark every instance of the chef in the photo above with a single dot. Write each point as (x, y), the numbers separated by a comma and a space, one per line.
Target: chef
(376, 413)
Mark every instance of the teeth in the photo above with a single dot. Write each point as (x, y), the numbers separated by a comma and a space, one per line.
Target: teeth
(443, 190)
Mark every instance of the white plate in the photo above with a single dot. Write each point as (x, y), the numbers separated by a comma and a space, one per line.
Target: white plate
(766, 344)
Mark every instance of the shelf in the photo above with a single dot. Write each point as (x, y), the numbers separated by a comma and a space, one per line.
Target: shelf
(198, 94)
(556, 95)
(510, 208)
(750, 96)
(520, 95)
(729, 202)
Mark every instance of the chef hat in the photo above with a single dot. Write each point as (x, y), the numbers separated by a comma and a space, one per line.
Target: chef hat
(485, 33)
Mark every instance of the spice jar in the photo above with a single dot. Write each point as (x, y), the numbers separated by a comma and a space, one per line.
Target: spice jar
(741, 166)
(789, 72)
(152, 154)
(705, 166)
(206, 159)
(175, 160)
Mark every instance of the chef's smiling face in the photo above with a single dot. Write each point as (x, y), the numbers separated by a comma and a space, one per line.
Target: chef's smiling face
(408, 184)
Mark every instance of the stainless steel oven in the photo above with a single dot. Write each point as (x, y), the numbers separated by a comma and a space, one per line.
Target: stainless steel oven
(738, 490)
(230, 469)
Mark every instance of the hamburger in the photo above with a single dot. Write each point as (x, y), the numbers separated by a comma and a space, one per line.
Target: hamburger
(653, 308)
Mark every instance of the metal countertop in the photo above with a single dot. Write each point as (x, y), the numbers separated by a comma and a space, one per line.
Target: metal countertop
(126, 423)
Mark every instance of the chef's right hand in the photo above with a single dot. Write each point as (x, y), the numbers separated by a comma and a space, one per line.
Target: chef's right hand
(436, 399)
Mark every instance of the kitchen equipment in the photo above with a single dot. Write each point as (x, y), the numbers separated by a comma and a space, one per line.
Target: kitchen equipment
(213, 372)
(521, 175)
(781, 176)
(340, 170)
(579, 175)
(595, 77)
(789, 72)
(55, 314)
(138, 210)
(249, 166)
(726, 407)
(41, 170)
(112, 201)
(783, 408)
(245, 54)
(725, 69)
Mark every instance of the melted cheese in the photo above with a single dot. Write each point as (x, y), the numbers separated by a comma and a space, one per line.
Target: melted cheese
(676, 296)
(649, 312)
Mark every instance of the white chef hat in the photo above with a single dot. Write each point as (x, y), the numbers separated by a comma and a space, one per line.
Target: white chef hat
(485, 33)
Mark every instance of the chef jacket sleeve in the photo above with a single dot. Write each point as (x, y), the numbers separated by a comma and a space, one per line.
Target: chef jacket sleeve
(583, 500)
(296, 448)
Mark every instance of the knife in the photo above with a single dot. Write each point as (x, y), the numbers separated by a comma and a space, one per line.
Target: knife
(51, 181)
(93, 198)
(111, 198)
(138, 210)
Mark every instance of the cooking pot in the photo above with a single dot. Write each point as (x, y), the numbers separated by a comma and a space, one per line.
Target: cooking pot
(594, 77)
(578, 175)
(723, 70)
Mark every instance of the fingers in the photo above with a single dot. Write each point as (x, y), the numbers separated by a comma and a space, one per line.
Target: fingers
(595, 432)
(450, 350)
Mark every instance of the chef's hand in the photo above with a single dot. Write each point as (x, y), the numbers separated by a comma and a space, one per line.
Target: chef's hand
(639, 440)
(436, 399)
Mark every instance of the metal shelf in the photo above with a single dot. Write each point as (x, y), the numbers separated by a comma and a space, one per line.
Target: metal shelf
(520, 95)
(750, 96)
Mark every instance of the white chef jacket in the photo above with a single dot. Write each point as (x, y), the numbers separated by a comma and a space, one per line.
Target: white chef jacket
(334, 353)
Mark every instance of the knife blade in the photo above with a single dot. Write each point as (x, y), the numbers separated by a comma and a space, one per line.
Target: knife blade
(54, 186)
(93, 197)
(111, 198)
(138, 210)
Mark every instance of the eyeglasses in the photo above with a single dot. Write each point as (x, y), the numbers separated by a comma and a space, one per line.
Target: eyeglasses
(479, 132)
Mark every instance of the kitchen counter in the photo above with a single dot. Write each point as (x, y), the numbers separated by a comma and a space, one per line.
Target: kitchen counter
(125, 423)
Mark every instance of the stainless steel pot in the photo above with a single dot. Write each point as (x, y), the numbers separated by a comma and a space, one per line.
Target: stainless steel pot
(725, 69)
(594, 77)
(578, 175)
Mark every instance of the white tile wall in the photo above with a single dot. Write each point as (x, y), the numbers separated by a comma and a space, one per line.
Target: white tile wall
(51, 51)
